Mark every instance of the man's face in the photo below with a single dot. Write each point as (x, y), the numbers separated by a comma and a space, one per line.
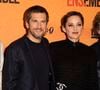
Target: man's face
(37, 26)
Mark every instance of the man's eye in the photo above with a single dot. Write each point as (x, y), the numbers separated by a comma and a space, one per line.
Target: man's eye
(43, 21)
(34, 20)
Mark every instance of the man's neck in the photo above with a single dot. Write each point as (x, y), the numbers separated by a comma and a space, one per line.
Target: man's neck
(33, 39)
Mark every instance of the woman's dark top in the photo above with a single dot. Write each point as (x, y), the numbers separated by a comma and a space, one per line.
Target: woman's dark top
(96, 47)
(74, 66)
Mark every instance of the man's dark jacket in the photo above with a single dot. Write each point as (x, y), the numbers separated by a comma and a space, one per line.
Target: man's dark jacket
(19, 68)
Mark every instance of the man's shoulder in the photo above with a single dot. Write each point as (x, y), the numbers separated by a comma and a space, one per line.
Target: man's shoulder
(45, 40)
(17, 43)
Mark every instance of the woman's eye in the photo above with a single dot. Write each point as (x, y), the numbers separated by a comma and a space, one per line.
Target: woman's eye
(79, 24)
(70, 25)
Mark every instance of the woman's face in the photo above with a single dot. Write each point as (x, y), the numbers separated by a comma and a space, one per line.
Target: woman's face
(73, 28)
(98, 31)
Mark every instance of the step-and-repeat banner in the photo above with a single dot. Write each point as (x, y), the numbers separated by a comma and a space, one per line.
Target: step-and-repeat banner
(11, 17)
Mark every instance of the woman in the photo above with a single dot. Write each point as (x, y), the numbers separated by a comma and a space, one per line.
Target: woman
(74, 62)
(96, 45)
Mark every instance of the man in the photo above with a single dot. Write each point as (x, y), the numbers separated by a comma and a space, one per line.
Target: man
(27, 64)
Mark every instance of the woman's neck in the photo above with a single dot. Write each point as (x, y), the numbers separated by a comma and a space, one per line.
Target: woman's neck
(73, 40)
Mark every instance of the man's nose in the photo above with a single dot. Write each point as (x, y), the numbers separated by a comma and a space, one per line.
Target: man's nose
(39, 25)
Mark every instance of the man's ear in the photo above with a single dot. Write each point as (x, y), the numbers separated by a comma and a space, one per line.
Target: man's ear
(27, 25)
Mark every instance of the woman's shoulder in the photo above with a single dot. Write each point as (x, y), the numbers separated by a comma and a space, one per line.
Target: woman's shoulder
(58, 43)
